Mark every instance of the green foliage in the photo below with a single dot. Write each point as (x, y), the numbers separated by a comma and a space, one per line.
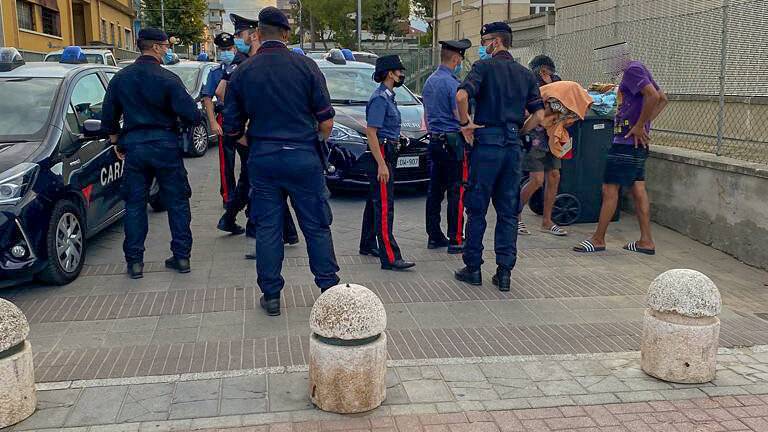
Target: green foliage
(183, 18)
(338, 17)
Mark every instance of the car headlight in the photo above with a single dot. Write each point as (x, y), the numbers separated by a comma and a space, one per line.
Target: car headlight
(344, 133)
(16, 182)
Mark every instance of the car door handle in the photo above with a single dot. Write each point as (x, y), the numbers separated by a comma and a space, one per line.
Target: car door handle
(74, 162)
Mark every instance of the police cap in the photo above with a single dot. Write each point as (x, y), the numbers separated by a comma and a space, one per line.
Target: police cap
(495, 27)
(152, 34)
(458, 46)
(242, 23)
(385, 64)
(224, 40)
(275, 17)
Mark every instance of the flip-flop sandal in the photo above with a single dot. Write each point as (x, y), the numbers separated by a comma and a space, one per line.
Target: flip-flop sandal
(522, 229)
(632, 247)
(555, 231)
(587, 247)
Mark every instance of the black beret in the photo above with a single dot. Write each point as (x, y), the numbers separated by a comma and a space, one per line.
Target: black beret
(273, 16)
(495, 27)
(224, 40)
(457, 45)
(242, 23)
(542, 60)
(152, 34)
(387, 63)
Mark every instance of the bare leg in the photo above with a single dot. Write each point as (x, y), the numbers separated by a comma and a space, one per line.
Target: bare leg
(550, 193)
(610, 201)
(535, 181)
(643, 212)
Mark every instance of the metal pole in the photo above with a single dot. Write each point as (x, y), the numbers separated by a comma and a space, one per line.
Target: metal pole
(162, 14)
(359, 25)
(301, 28)
(723, 56)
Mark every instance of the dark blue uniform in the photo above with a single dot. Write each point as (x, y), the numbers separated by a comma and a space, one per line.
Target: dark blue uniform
(283, 95)
(446, 157)
(378, 216)
(502, 90)
(150, 99)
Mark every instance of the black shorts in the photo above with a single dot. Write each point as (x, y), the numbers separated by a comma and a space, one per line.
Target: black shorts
(625, 165)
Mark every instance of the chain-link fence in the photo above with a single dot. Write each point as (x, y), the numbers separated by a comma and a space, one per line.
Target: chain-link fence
(419, 64)
(709, 56)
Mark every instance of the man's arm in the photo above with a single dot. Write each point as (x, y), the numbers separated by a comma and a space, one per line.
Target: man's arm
(532, 121)
(111, 111)
(325, 128)
(234, 113)
(209, 111)
(182, 103)
(221, 90)
(663, 102)
(468, 90)
(321, 101)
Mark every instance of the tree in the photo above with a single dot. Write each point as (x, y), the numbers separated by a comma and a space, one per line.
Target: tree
(385, 17)
(183, 18)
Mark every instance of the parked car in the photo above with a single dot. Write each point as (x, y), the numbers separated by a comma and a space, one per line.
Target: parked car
(350, 85)
(59, 176)
(93, 55)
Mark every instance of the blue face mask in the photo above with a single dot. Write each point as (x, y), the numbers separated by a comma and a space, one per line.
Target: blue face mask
(226, 57)
(242, 46)
(457, 69)
(483, 53)
(168, 57)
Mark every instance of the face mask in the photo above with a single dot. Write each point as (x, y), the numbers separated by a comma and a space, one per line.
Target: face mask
(400, 81)
(457, 69)
(242, 46)
(168, 57)
(483, 52)
(226, 57)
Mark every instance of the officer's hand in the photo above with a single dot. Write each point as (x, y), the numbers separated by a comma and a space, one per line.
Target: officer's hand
(120, 155)
(215, 128)
(468, 132)
(242, 141)
(640, 136)
(383, 174)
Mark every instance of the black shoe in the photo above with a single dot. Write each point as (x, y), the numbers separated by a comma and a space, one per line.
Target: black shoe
(227, 224)
(374, 252)
(502, 279)
(181, 265)
(290, 241)
(271, 307)
(438, 243)
(250, 256)
(399, 264)
(455, 249)
(467, 275)
(136, 270)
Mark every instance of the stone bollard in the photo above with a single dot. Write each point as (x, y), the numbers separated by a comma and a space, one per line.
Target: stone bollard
(348, 350)
(681, 329)
(17, 378)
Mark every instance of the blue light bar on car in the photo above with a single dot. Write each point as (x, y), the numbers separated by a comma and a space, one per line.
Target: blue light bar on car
(73, 55)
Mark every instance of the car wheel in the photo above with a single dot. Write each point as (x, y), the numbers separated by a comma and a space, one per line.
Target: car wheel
(155, 200)
(65, 244)
(567, 209)
(199, 140)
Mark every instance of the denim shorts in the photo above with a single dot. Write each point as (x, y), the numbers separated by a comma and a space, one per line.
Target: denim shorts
(625, 165)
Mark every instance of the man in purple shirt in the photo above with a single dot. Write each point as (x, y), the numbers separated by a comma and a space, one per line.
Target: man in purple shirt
(640, 101)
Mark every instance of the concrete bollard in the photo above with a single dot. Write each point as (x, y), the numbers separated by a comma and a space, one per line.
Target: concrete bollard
(680, 328)
(17, 378)
(348, 350)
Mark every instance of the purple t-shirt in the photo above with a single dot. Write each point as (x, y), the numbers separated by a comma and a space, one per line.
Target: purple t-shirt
(630, 99)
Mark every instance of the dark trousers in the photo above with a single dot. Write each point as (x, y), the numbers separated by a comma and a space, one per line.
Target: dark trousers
(289, 227)
(161, 160)
(298, 174)
(234, 190)
(379, 215)
(445, 178)
(494, 176)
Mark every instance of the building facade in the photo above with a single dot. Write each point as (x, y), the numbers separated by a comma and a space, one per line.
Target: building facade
(39, 26)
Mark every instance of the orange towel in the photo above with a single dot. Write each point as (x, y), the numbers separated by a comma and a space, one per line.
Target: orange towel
(575, 99)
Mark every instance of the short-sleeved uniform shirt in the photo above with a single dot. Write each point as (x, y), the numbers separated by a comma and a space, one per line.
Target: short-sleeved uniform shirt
(440, 101)
(382, 113)
(214, 78)
(630, 100)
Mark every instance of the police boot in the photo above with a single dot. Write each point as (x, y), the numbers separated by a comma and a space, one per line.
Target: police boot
(374, 252)
(136, 270)
(455, 249)
(181, 265)
(227, 224)
(399, 264)
(502, 279)
(292, 240)
(470, 276)
(437, 243)
(271, 307)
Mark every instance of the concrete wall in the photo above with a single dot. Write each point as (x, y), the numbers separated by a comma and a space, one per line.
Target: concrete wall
(718, 201)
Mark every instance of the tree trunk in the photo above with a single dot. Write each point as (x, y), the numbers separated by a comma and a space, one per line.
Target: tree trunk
(312, 29)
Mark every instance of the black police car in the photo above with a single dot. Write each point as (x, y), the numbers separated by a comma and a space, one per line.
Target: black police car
(59, 176)
(350, 85)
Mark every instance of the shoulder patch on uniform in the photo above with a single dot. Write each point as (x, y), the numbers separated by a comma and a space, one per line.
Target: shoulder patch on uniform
(389, 92)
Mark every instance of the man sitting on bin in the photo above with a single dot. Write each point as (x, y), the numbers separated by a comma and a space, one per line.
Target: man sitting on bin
(640, 102)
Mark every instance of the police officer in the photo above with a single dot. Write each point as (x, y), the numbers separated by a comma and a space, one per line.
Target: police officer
(150, 99)
(446, 148)
(284, 123)
(383, 132)
(502, 90)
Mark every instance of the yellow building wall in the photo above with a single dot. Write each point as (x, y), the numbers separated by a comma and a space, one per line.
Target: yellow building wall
(112, 12)
(36, 41)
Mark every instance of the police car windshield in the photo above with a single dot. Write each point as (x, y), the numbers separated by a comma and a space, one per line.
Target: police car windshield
(355, 86)
(92, 58)
(25, 121)
(188, 75)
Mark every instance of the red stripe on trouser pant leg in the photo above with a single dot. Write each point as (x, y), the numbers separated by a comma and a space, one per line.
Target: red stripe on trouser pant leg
(222, 165)
(384, 213)
(460, 218)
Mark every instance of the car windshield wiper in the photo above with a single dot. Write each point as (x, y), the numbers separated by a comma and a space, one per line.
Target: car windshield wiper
(348, 102)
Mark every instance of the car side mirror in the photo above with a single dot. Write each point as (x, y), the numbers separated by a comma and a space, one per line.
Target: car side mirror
(92, 128)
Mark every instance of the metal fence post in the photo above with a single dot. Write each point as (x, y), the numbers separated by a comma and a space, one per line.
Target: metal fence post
(723, 58)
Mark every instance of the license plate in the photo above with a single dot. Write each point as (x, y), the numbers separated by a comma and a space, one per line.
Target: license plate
(408, 162)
